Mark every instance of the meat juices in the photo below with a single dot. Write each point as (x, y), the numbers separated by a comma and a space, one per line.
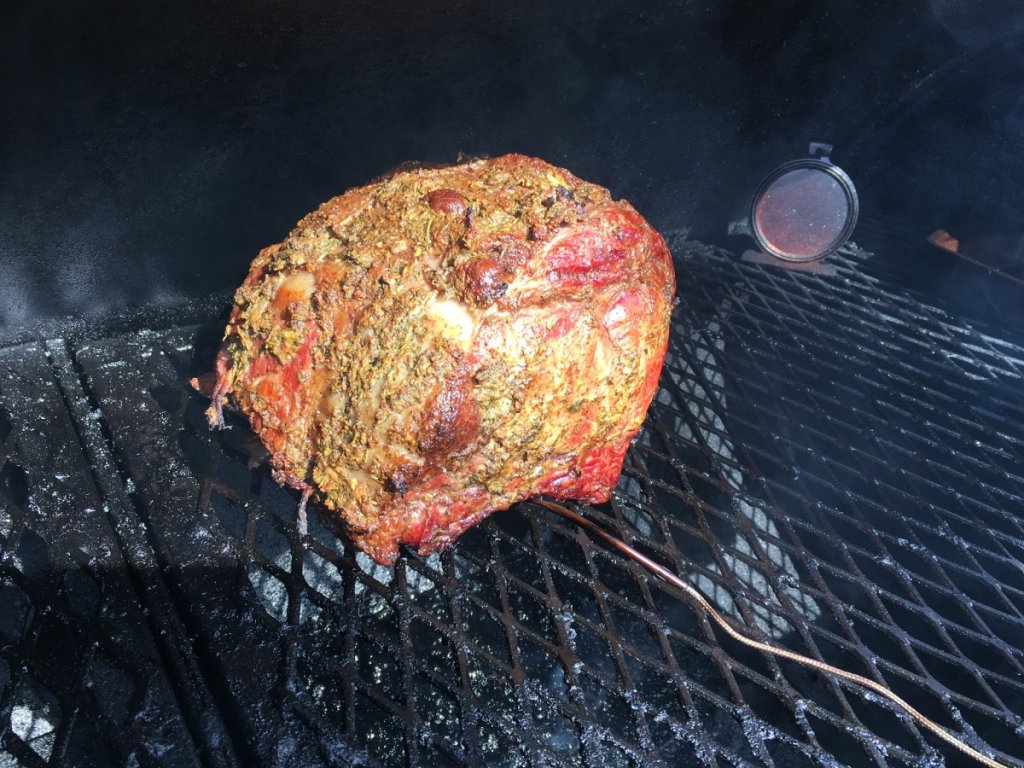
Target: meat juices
(445, 342)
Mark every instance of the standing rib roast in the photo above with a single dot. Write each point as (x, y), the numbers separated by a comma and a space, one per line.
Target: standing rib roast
(442, 343)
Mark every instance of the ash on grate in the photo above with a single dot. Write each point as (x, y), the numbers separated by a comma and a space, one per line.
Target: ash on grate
(70, 624)
(796, 466)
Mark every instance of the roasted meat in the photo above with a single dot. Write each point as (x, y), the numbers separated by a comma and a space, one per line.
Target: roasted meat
(444, 342)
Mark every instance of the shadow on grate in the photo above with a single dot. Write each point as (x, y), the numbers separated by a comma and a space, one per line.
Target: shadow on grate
(836, 467)
(81, 681)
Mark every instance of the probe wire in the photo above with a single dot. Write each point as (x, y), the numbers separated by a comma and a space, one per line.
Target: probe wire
(785, 653)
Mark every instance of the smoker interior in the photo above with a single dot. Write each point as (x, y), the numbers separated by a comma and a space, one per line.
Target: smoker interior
(836, 465)
(836, 461)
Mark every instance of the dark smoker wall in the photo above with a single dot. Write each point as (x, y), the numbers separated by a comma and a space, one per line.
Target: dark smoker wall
(150, 149)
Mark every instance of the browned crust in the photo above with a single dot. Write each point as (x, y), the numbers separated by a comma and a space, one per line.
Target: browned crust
(444, 342)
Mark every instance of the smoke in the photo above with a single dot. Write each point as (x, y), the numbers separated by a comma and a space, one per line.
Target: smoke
(152, 151)
(977, 25)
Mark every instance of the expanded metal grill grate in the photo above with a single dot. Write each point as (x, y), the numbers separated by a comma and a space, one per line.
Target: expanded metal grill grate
(837, 466)
(81, 680)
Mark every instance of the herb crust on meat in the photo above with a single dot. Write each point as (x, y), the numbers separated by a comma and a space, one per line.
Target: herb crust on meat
(442, 343)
